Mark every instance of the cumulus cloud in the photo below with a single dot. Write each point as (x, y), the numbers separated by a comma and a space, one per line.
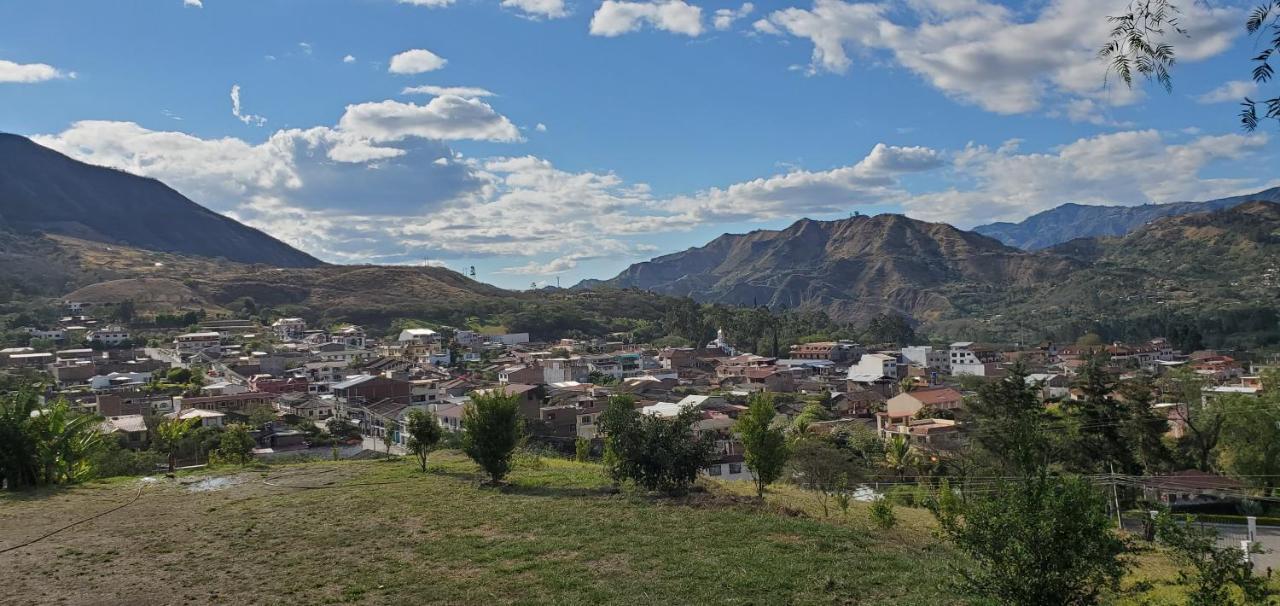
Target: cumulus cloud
(617, 17)
(27, 73)
(1128, 167)
(1230, 92)
(470, 92)
(383, 186)
(724, 17)
(1003, 60)
(446, 118)
(540, 127)
(236, 111)
(428, 3)
(349, 59)
(416, 61)
(538, 9)
(193, 3)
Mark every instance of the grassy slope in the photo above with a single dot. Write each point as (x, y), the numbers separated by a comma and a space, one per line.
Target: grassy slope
(555, 536)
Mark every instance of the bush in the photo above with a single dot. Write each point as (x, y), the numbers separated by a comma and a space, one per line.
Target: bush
(235, 446)
(882, 514)
(113, 460)
(581, 450)
(491, 432)
(658, 454)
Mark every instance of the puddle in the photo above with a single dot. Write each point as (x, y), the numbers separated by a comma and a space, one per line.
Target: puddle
(212, 484)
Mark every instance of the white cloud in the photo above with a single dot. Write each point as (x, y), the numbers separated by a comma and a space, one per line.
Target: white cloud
(305, 47)
(617, 17)
(444, 118)
(871, 181)
(26, 73)
(349, 59)
(235, 109)
(416, 61)
(540, 127)
(1230, 92)
(542, 268)
(469, 92)
(193, 3)
(724, 17)
(428, 3)
(538, 9)
(1003, 60)
(1129, 167)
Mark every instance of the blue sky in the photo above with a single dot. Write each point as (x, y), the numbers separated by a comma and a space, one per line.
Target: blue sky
(592, 134)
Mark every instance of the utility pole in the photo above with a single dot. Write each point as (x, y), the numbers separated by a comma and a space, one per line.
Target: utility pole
(1115, 496)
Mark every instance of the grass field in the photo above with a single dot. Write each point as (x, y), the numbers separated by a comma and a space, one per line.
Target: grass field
(382, 532)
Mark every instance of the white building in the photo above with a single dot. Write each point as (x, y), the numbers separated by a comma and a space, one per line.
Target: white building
(196, 342)
(966, 359)
(925, 356)
(110, 336)
(351, 336)
(421, 336)
(289, 329)
(875, 366)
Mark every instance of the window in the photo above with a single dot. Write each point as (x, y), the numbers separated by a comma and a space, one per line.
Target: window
(735, 468)
(714, 470)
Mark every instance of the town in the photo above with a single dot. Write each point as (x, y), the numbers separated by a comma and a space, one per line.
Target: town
(304, 391)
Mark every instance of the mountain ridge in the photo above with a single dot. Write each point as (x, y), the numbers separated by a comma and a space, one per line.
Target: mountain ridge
(1071, 221)
(851, 268)
(42, 190)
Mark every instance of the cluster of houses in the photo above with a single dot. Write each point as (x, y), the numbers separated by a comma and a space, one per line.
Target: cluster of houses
(313, 375)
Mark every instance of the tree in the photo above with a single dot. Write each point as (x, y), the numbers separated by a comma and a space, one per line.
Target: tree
(492, 431)
(1249, 446)
(342, 429)
(66, 443)
(168, 435)
(581, 449)
(388, 439)
(52, 445)
(1140, 43)
(1042, 540)
(1098, 443)
(124, 312)
(1203, 422)
(1143, 427)
(1008, 424)
(900, 456)
(261, 415)
(424, 433)
(764, 446)
(659, 454)
(1214, 570)
(823, 468)
(235, 445)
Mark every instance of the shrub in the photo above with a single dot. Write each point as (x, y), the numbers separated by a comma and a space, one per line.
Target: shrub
(492, 431)
(656, 453)
(882, 514)
(235, 446)
(424, 433)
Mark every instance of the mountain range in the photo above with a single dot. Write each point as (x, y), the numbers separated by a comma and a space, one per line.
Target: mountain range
(1071, 221)
(72, 229)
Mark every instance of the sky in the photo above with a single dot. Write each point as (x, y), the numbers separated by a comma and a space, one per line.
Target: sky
(545, 141)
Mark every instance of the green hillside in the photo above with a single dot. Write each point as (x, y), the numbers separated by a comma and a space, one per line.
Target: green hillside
(378, 532)
(556, 536)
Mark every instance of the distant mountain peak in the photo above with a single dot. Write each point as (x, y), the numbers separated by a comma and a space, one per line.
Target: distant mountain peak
(44, 191)
(1071, 221)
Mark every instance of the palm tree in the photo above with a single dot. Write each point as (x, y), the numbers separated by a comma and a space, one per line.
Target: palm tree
(169, 434)
(899, 455)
